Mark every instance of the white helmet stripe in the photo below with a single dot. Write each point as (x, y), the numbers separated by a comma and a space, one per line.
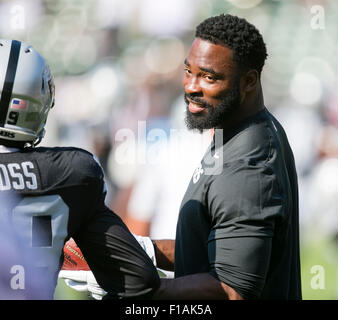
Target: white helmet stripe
(9, 81)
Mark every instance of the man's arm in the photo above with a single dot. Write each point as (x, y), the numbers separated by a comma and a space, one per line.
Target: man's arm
(199, 286)
(120, 265)
(165, 254)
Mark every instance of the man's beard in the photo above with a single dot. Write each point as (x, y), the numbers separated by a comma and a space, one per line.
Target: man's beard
(215, 115)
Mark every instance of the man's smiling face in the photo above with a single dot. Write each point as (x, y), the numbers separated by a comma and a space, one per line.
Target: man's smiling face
(211, 85)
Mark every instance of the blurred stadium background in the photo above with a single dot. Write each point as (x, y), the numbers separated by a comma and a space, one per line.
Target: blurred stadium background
(119, 62)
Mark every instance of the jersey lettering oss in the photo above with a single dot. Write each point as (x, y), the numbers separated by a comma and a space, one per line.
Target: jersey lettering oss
(7, 134)
(17, 176)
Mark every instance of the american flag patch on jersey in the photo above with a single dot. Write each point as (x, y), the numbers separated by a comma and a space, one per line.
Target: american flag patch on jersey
(19, 104)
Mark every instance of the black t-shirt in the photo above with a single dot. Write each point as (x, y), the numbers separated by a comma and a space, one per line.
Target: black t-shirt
(58, 193)
(239, 217)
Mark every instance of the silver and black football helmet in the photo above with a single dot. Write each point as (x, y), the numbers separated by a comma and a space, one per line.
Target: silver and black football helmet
(27, 92)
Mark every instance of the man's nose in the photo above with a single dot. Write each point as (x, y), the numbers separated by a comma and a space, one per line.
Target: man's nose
(191, 85)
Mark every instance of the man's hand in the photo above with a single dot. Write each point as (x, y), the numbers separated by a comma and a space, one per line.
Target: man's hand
(82, 281)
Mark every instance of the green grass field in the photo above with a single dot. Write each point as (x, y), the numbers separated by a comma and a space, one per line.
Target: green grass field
(321, 257)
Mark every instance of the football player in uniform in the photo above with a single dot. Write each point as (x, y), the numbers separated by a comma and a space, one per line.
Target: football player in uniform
(58, 193)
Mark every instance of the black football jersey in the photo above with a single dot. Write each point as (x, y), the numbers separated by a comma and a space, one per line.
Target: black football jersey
(51, 194)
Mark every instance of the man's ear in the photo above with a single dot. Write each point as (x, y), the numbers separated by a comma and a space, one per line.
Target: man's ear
(249, 81)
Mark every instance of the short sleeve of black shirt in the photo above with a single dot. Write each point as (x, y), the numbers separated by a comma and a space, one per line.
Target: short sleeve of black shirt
(243, 218)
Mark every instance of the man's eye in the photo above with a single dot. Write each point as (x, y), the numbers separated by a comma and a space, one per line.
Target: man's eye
(209, 78)
(187, 70)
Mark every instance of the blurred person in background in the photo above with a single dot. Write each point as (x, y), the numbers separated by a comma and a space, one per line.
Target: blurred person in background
(323, 182)
(60, 192)
(161, 182)
(145, 111)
